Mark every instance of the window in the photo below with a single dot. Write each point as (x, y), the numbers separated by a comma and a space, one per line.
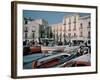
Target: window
(74, 27)
(75, 20)
(89, 35)
(69, 34)
(81, 26)
(69, 28)
(89, 24)
(64, 35)
(25, 22)
(33, 35)
(69, 21)
(69, 25)
(64, 22)
(26, 29)
(25, 35)
(74, 34)
(74, 23)
(81, 34)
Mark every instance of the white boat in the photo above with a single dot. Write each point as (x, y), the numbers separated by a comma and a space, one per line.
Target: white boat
(46, 49)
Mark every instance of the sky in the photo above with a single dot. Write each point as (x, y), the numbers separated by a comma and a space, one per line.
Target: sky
(51, 16)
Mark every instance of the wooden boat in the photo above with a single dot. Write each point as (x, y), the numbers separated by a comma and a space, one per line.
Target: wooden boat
(46, 49)
(83, 60)
(35, 49)
(49, 61)
(31, 50)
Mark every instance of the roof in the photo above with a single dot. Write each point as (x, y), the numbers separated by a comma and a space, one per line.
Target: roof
(85, 17)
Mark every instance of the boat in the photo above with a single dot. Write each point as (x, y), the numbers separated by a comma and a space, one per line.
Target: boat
(83, 60)
(30, 50)
(46, 49)
(35, 49)
(42, 49)
(50, 61)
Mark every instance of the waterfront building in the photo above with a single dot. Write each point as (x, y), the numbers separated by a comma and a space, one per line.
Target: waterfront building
(73, 29)
(57, 31)
(71, 26)
(35, 29)
(85, 28)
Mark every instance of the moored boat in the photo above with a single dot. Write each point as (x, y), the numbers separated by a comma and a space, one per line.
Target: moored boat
(46, 49)
(50, 61)
(31, 50)
(83, 60)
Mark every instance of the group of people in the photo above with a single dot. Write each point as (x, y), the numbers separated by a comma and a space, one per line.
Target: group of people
(83, 50)
(35, 43)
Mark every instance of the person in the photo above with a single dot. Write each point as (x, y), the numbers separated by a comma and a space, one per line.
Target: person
(47, 43)
(33, 42)
(85, 43)
(24, 43)
(79, 51)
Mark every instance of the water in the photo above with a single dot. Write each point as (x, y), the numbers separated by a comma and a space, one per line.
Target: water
(30, 58)
(27, 60)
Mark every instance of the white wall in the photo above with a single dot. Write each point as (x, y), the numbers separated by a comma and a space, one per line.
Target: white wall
(5, 40)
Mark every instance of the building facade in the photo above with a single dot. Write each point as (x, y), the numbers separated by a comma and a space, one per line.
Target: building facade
(57, 31)
(73, 28)
(34, 29)
(85, 27)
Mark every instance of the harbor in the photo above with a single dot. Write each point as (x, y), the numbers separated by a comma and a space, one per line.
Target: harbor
(57, 56)
(63, 42)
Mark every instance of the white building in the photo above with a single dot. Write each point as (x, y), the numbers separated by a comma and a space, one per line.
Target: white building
(57, 30)
(85, 27)
(73, 28)
(34, 29)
